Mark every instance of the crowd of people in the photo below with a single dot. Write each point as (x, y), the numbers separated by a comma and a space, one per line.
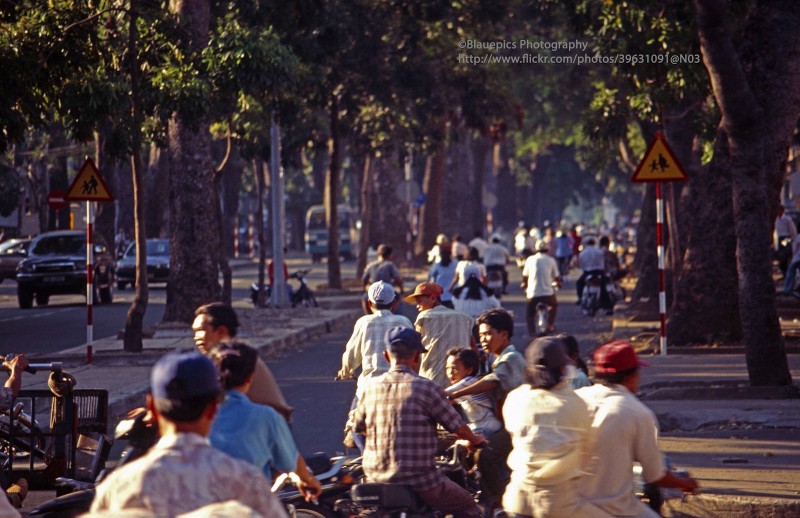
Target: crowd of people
(548, 437)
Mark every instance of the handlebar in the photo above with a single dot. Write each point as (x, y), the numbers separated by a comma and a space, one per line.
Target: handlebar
(33, 368)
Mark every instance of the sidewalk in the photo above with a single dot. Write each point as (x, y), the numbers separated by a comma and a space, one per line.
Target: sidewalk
(742, 443)
(126, 376)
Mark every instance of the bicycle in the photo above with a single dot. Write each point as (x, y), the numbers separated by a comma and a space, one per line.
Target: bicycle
(302, 296)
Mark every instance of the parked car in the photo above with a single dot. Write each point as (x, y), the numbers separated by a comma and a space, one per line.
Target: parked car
(11, 253)
(157, 263)
(56, 265)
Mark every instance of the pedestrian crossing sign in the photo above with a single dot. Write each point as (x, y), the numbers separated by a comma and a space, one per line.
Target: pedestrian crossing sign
(88, 185)
(659, 164)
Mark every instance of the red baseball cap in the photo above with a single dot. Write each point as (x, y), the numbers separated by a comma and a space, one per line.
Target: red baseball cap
(425, 288)
(614, 357)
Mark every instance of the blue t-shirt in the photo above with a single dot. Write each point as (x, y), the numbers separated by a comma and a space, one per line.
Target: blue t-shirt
(254, 433)
(443, 276)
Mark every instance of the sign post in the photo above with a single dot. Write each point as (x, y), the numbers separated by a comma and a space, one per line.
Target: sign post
(89, 186)
(660, 165)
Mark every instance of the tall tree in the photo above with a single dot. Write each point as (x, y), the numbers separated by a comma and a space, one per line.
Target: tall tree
(194, 229)
(759, 99)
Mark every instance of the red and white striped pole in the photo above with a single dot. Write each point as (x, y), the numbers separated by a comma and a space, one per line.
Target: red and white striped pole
(662, 296)
(89, 280)
(251, 234)
(236, 241)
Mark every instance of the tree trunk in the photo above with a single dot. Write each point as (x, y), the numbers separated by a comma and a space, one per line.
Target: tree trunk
(431, 210)
(481, 145)
(194, 236)
(157, 182)
(367, 182)
(331, 197)
(456, 217)
(705, 307)
(132, 339)
(740, 89)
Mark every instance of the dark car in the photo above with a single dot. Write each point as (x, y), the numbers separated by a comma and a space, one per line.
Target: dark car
(157, 263)
(56, 265)
(12, 252)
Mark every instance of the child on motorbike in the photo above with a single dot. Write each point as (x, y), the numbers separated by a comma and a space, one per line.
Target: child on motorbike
(462, 367)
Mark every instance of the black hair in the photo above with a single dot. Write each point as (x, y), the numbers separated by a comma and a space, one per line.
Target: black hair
(235, 361)
(445, 255)
(616, 378)
(220, 314)
(184, 410)
(497, 318)
(401, 351)
(474, 286)
(604, 241)
(573, 351)
(473, 254)
(468, 357)
(387, 251)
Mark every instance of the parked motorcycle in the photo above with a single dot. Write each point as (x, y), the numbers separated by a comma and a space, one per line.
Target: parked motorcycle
(302, 296)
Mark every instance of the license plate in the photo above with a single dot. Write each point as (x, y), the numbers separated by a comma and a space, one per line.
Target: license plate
(54, 279)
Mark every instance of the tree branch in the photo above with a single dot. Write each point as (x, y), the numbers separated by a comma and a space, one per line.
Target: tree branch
(738, 104)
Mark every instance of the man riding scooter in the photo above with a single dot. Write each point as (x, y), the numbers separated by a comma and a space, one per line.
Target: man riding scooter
(593, 262)
(495, 257)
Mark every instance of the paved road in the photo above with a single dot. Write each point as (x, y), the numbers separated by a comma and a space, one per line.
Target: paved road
(307, 375)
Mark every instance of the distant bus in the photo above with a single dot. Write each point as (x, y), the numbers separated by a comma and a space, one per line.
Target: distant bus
(316, 236)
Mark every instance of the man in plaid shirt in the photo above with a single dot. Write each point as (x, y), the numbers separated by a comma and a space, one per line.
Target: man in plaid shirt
(398, 413)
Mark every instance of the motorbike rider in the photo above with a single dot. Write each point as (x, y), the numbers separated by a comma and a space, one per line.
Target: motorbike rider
(495, 257)
(410, 406)
(593, 262)
(382, 269)
(624, 431)
(539, 276)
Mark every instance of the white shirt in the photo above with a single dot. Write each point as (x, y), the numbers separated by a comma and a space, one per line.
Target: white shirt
(549, 430)
(495, 254)
(463, 265)
(478, 408)
(181, 473)
(367, 343)
(591, 258)
(474, 307)
(624, 431)
(479, 244)
(541, 270)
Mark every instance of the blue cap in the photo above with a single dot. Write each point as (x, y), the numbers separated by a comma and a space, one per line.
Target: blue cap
(407, 336)
(184, 375)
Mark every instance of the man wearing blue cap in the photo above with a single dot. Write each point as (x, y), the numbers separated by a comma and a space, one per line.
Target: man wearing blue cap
(182, 472)
(410, 406)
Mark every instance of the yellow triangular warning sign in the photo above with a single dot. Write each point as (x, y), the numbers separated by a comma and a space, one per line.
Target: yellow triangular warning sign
(88, 185)
(659, 164)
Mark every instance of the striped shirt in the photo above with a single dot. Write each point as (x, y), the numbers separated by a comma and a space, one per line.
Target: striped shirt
(442, 329)
(399, 412)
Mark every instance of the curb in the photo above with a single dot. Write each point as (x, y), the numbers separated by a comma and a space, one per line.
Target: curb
(120, 403)
(706, 505)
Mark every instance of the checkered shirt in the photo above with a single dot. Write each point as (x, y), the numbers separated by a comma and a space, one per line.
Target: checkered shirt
(399, 412)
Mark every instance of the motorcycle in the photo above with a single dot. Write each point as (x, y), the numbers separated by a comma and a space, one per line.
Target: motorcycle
(494, 280)
(132, 438)
(383, 500)
(302, 296)
(592, 291)
(654, 495)
(336, 475)
(541, 319)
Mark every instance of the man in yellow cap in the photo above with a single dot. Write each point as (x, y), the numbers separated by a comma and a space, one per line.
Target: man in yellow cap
(441, 328)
